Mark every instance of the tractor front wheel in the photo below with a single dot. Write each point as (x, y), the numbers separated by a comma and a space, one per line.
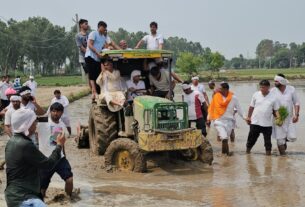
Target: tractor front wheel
(125, 155)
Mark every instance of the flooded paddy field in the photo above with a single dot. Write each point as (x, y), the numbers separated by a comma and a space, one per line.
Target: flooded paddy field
(238, 180)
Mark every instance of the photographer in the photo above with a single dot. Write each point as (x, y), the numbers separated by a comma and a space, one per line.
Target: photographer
(24, 161)
(29, 102)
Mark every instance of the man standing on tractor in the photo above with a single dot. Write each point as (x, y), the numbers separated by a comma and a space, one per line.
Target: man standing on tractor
(154, 41)
(96, 42)
(160, 82)
(221, 111)
(81, 42)
(110, 44)
(195, 101)
(123, 45)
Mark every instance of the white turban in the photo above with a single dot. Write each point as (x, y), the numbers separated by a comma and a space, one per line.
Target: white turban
(186, 86)
(281, 80)
(151, 65)
(22, 120)
(15, 98)
(195, 78)
(134, 73)
(25, 92)
(211, 82)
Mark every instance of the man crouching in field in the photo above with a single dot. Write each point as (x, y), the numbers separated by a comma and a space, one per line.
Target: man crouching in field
(47, 132)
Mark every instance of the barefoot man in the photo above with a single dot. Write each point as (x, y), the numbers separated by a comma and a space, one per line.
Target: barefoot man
(287, 98)
(221, 111)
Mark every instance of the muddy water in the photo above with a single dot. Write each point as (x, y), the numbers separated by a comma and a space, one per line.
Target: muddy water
(239, 180)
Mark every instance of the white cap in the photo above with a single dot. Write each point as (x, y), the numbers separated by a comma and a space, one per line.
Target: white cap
(15, 98)
(186, 86)
(195, 78)
(31, 77)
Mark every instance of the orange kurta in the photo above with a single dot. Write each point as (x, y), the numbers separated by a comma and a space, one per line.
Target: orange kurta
(218, 106)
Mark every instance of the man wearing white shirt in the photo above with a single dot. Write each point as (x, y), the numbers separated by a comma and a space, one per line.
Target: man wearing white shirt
(195, 100)
(262, 107)
(287, 97)
(123, 45)
(32, 84)
(5, 84)
(16, 103)
(196, 86)
(154, 41)
(63, 100)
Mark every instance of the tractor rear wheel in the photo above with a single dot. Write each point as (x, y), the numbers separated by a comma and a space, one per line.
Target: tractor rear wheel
(125, 155)
(102, 128)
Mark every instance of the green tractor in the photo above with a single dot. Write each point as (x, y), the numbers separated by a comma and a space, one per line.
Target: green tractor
(154, 124)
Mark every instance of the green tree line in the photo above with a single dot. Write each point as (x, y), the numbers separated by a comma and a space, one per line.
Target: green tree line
(272, 54)
(37, 46)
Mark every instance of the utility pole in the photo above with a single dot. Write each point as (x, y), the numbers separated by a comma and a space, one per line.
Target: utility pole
(77, 28)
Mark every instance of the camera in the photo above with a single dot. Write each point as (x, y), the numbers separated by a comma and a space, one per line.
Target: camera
(42, 119)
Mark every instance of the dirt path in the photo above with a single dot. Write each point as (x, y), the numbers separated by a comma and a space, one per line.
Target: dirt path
(44, 94)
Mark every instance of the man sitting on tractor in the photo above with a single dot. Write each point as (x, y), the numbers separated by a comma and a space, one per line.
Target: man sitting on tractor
(135, 86)
(160, 82)
(112, 89)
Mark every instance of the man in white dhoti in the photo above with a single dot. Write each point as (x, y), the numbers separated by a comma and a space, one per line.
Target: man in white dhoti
(112, 88)
(287, 97)
(221, 111)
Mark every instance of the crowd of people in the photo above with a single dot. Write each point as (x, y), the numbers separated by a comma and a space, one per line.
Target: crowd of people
(265, 114)
(35, 150)
(91, 44)
(106, 82)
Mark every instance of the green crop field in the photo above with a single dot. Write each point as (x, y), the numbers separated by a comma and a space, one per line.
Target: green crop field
(250, 74)
(59, 80)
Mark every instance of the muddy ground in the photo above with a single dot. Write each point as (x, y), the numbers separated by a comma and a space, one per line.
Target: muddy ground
(238, 180)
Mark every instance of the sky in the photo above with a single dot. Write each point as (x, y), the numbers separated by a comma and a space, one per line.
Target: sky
(231, 27)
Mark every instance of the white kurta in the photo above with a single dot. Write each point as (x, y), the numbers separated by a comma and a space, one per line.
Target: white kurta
(32, 85)
(288, 99)
(226, 122)
(112, 88)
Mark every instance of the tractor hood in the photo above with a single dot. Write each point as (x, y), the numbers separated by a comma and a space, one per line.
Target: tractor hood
(149, 102)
